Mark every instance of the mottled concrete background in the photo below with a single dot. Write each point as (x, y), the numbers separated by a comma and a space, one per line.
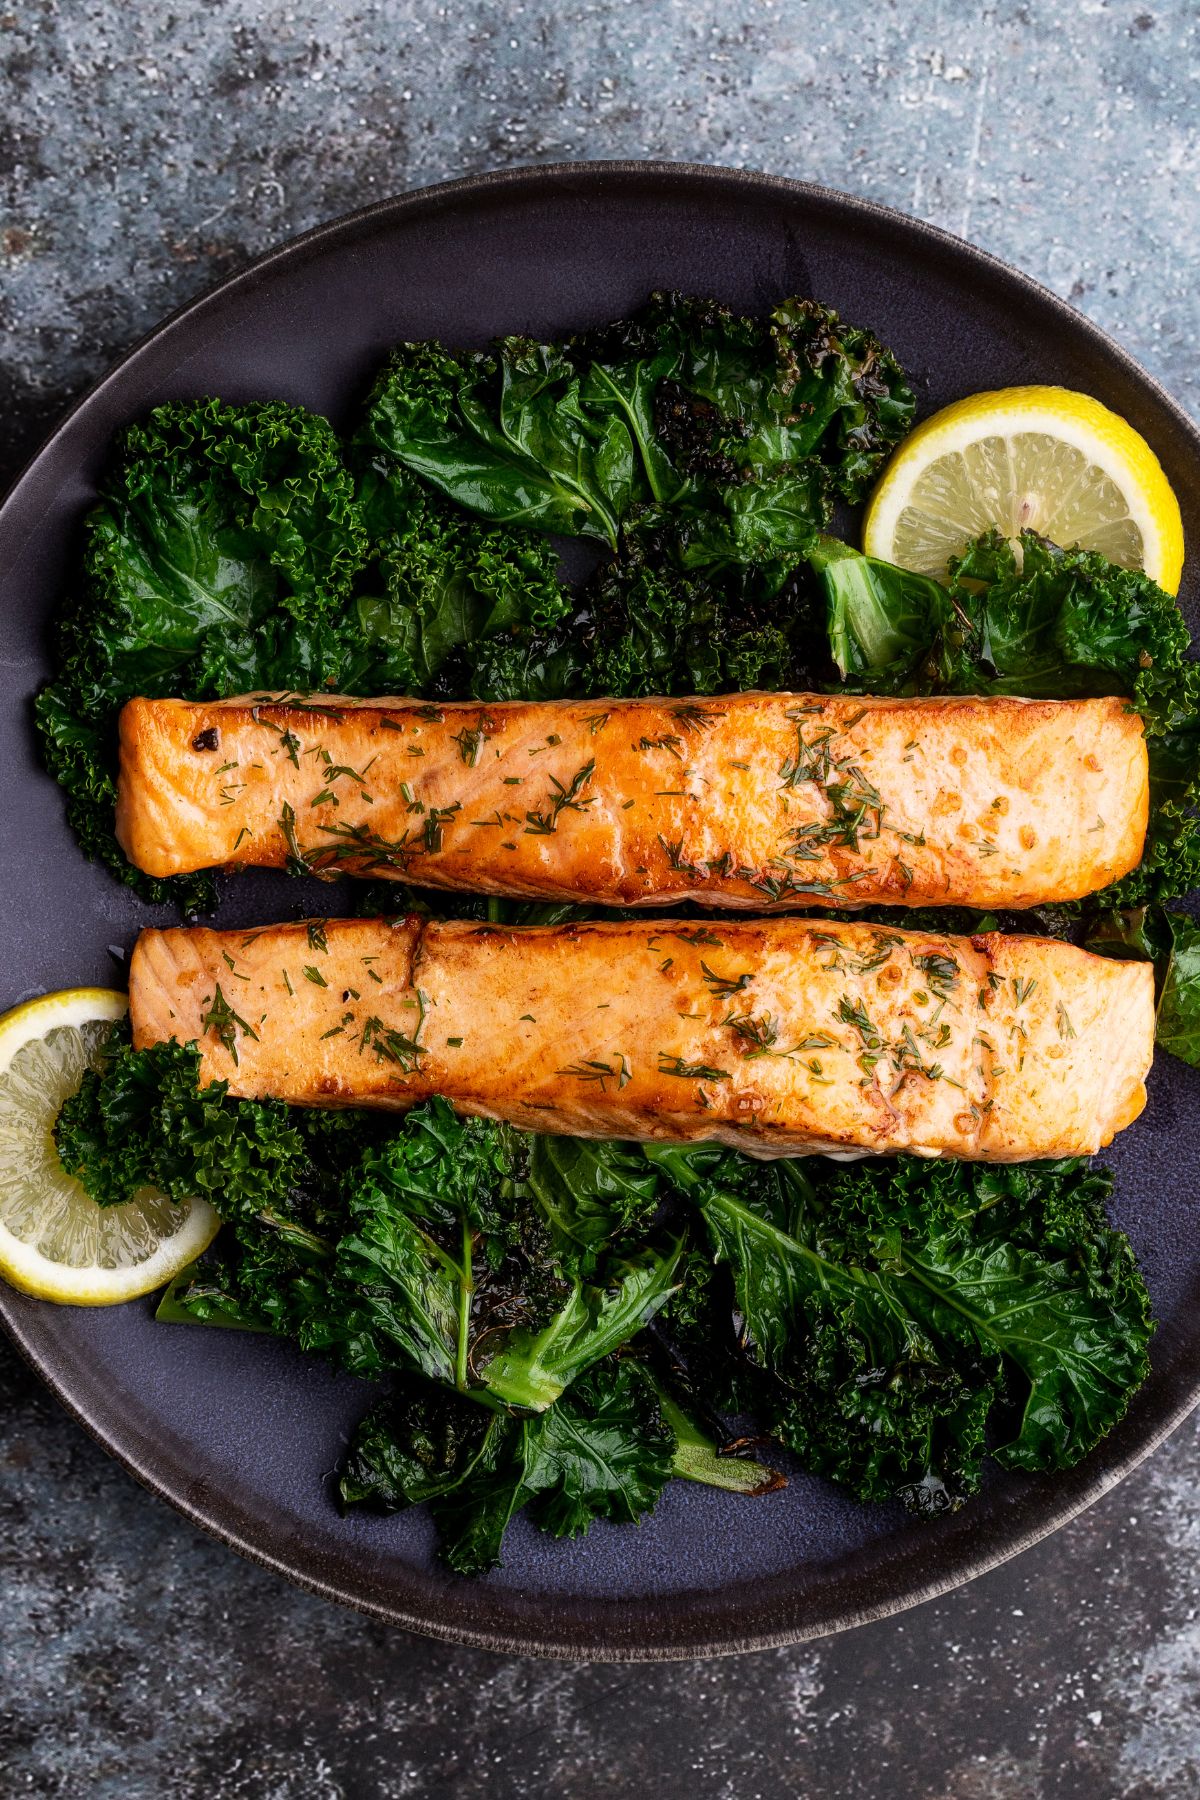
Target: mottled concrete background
(146, 151)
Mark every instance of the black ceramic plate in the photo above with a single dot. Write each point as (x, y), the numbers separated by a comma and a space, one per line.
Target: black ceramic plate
(241, 1434)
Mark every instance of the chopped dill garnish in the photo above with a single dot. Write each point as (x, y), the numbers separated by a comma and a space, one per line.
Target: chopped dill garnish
(297, 863)
(436, 819)
(677, 860)
(563, 799)
(725, 984)
(940, 971)
(590, 1070)
(669, 742)
(688, 1071)
(471, 739)
(697, 718)
(390, 1045)
(854, 1013)
(221, 1019)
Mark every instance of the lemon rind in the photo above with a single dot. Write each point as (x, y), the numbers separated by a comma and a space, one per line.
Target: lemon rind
(24, 1268)
(70, 1006)
(1084, 423)
(22, 1265)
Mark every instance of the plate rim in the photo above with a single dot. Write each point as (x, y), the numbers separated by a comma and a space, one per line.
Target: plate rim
(430, 1606)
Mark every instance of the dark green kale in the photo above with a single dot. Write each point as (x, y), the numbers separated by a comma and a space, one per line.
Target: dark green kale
(1179, 1002)
(645, 628)
(595, 1195)
(603, 1452)
(658, 631)
(909, 1314)
(1171, 941)
(747, 429)
(144, 1121)
(734, 435)
(1038, 621)
(416, 1247)
(217, 560)
(890, 631)
(505, 436)
(444, 1271)
(440, 588)
(234, 551)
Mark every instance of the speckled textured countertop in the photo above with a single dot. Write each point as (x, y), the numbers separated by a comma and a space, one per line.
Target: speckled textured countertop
(143, 154)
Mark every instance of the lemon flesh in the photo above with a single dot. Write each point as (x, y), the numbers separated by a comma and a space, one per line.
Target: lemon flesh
(55, 1242)
(1042, 459)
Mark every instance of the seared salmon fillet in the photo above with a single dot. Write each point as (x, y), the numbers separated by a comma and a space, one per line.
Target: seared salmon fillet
(750, 801)
(777, 1036)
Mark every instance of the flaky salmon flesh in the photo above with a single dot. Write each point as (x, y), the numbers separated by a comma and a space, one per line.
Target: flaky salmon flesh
(777, 1036)
(752, 801)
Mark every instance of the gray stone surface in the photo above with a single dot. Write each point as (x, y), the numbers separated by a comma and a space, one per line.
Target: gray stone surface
(145, 152)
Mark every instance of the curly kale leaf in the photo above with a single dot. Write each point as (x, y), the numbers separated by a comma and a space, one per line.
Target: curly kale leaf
(505, 436)
(218, 559)
(891, 631)
(532, 1366)
(1039, 621)
(903, 1312)
(656, 631)
(603, 1451)
(414, 1247)
(748, 426)
(594, 1194)
(418, 1443)
(1179, 1006)
(1171, 941)
(142, 1120)
(646, 628)
(441, 585)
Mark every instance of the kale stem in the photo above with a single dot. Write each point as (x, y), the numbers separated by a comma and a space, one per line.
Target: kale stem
(828, 550)
(466, 1287)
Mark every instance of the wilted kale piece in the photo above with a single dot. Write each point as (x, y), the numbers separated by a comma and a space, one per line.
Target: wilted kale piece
(603, 1451)
(440, 587)
(217, 561)
(144, 1121)
(905, 1314)
(234, 550)
(734, 435)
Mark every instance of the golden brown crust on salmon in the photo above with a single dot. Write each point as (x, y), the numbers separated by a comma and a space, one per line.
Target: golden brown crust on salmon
(776, 1036)
(750, 801)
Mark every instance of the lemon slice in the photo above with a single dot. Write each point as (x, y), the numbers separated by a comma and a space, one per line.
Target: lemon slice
(55, 1241)
(1039, 458)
